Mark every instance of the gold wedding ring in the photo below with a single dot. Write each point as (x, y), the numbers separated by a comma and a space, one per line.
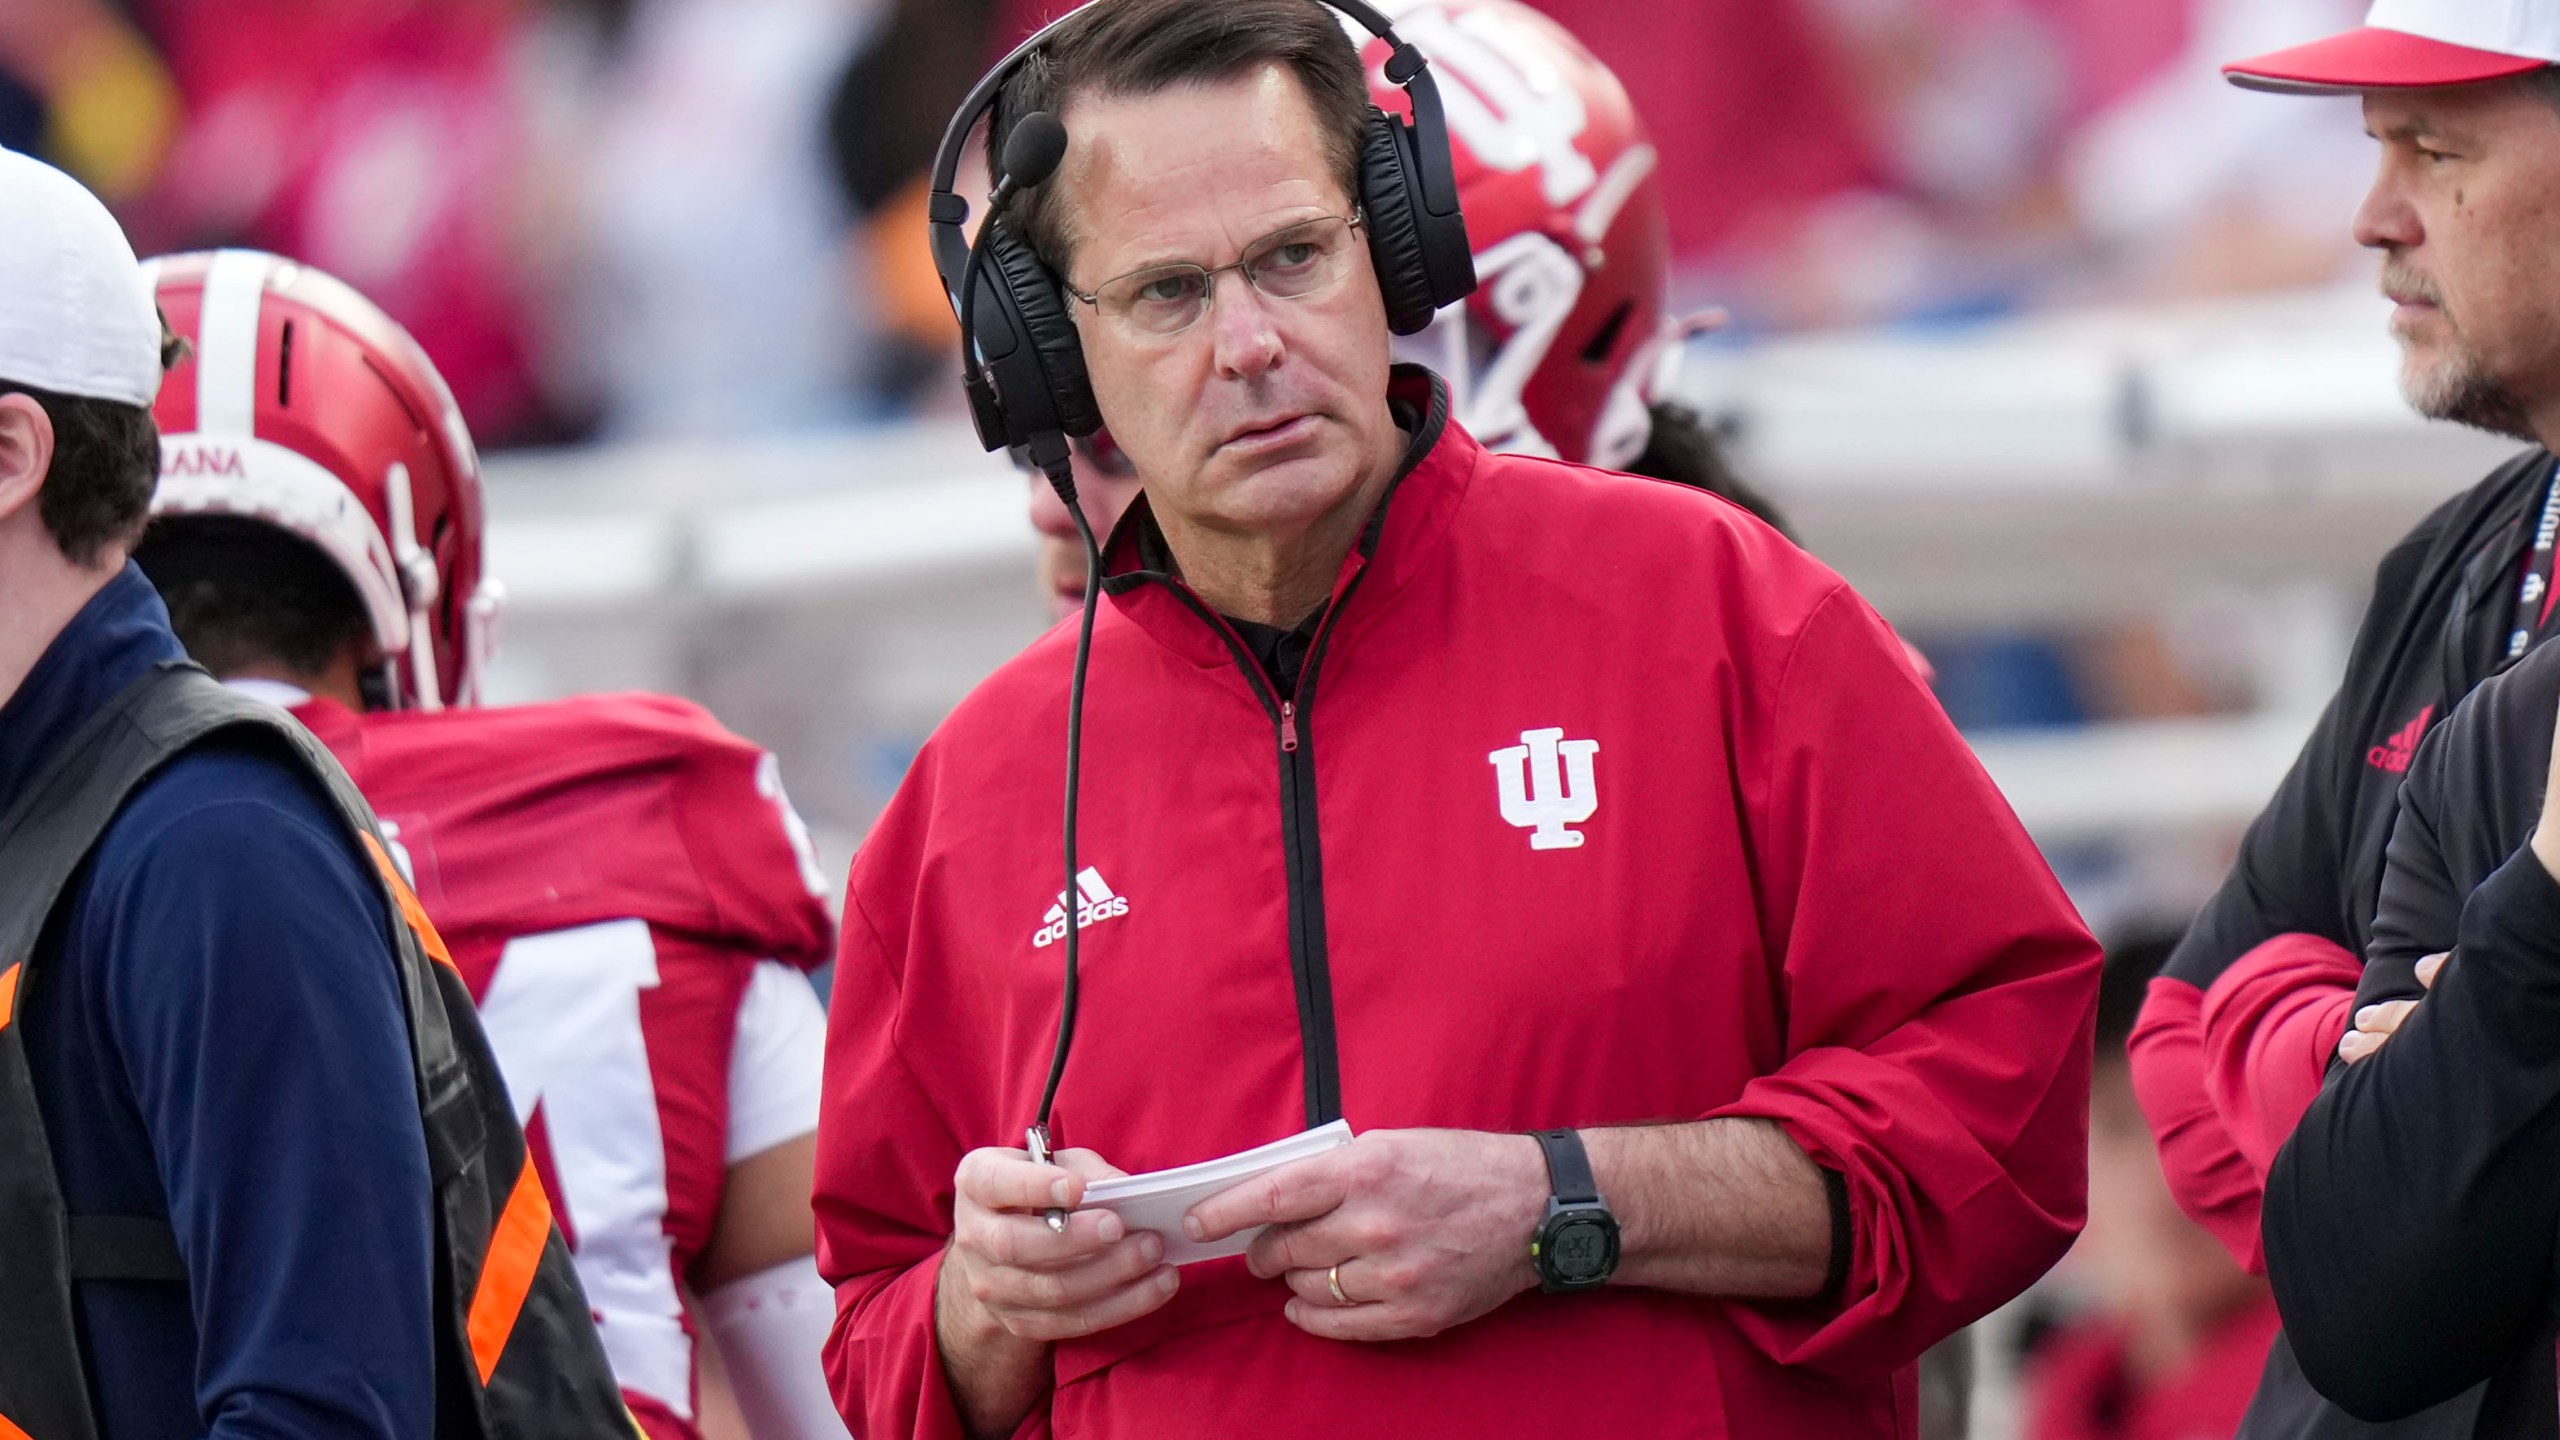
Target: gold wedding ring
(1333, 1282)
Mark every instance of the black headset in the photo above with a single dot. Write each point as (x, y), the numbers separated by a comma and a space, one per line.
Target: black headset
(1023, 364)
(1021, 360)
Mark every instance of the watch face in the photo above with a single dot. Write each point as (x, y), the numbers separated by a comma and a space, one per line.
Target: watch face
(1582, 1250)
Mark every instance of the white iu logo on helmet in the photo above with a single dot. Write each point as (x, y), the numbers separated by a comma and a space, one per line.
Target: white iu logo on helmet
(1546, 785)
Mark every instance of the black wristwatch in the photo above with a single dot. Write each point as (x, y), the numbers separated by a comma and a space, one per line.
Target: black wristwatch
(1577, 1244)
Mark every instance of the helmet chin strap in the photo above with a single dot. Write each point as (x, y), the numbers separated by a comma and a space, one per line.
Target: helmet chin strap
(417, 586)
(480, 639)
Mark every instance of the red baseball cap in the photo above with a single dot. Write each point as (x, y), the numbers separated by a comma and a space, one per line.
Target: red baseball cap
(2411, 44)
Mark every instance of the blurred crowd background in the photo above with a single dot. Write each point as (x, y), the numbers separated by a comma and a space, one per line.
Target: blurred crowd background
(699, 217)
(699, 223)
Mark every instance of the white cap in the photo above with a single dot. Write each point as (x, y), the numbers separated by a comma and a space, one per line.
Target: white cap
(2407, 44)
(76, 315)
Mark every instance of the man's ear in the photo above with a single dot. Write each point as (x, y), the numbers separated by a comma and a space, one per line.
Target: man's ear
(26, 452)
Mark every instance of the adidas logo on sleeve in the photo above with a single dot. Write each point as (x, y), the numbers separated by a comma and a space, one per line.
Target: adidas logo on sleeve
(1094, 904)
(2400, 748)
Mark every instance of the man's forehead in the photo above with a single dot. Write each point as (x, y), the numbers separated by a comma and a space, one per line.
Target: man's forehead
(2390, 114)
(2451, 110)
(1193, 172)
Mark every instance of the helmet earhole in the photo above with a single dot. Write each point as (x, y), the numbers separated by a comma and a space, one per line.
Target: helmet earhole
(1605, 344)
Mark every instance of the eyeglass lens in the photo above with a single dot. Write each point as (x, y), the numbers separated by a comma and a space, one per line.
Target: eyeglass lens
(1289, 265)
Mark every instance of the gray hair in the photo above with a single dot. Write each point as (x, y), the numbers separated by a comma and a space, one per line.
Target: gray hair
(1144, 47)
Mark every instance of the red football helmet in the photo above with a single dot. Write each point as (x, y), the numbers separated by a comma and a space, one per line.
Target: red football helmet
(304, 405)
(1567, 341)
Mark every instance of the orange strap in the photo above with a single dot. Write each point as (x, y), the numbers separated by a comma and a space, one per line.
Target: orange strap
(8, 1429)
(9, 1012)
(410, 910)
(506, 1275)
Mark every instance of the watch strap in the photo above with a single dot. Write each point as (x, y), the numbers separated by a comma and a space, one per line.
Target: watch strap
(1568, 1167)
(1844, 1237)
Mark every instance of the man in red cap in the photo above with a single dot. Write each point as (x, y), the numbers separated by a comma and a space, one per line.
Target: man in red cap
(2238, 1032)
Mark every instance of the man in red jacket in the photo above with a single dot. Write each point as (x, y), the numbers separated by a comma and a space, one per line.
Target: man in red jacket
(1452, 794)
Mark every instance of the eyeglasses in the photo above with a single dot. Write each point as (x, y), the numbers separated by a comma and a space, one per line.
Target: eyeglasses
(1161, 301)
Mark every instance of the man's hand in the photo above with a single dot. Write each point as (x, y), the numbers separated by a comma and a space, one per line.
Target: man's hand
(1421, 1229)
(2377, 1023)
(1010, 1285)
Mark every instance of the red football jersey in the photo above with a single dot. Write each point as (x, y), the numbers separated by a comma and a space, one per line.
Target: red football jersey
(617, 876)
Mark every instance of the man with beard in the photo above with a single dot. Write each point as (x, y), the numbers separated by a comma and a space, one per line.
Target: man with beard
(2238, 1033)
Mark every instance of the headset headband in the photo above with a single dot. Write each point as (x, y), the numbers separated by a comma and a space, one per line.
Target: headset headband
(947, 212)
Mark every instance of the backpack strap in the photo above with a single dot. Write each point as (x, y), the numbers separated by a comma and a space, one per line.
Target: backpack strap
(45, 837)
(54, 825)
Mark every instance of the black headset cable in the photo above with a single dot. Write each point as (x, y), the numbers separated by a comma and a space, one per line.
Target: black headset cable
(1061, 474)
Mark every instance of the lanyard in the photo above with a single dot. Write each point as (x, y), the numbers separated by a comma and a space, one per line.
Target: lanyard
(2534, 600)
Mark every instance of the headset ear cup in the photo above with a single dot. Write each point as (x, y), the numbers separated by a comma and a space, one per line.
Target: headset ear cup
(1389, 180)
(1042, 307)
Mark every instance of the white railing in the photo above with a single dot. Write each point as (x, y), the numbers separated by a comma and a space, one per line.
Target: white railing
(833, 596)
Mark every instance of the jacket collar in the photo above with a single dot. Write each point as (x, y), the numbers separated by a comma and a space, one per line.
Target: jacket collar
(121, 633)
(1404, 531)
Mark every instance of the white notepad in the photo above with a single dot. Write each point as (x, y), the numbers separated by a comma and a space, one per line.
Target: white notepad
(1158, 1200)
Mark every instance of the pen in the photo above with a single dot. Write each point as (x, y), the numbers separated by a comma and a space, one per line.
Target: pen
(1039, 1138)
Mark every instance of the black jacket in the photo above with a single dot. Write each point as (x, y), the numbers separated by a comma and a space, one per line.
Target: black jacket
(2410, 1223)
(2312, 862)
(2443, 605)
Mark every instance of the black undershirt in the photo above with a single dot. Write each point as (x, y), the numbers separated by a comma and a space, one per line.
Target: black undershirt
(1283, 653)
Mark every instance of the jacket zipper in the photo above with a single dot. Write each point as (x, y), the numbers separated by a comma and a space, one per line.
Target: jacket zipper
(1309, 965)
(1310, 957)
(1302, 846)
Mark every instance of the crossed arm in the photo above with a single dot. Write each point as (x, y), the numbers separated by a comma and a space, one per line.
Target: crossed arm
(2409, 1220)
(1422, 1229)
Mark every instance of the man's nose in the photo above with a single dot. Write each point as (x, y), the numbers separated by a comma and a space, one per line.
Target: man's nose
(1241, 327)
(2386, 220)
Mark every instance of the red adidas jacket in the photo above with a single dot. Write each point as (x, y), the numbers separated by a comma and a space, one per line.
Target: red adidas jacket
(1779, 887)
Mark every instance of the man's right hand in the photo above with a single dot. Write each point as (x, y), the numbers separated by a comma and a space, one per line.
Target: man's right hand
(1010, 1285)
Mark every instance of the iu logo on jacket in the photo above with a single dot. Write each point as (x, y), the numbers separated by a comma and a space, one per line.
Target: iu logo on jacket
(1546, 784)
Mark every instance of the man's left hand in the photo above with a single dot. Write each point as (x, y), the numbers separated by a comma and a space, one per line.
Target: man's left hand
(1421, 1230)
